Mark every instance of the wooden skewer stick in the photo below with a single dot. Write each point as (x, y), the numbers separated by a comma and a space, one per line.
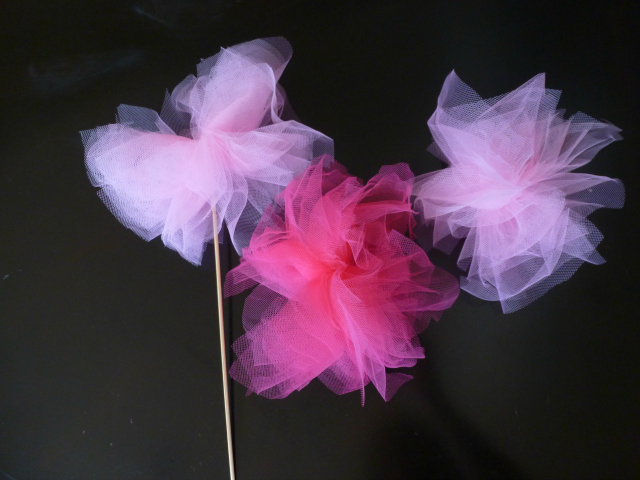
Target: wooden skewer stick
(223, 350)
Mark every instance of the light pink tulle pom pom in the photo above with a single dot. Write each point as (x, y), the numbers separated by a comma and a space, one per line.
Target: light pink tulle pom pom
(508, 189)
(342, 291)
(219, 142)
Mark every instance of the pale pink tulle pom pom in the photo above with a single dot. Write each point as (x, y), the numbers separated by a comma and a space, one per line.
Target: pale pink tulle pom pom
(219, 142)
(508, 189)
(342, 291)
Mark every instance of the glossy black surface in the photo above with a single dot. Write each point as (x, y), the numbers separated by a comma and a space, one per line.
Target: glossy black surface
(109, 364)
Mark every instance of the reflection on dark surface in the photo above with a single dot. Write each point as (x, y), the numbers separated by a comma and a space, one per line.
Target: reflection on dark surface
(65, 75)
(181, 17)
(109, 362)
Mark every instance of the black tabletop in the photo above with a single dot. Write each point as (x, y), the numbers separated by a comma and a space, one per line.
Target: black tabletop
(109, 355)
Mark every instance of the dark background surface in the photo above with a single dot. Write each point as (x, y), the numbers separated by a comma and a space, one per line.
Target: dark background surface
(109, 364)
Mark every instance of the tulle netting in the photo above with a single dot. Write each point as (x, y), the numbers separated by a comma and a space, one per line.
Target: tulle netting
(219, 142)
(510, 191)
(342, 292)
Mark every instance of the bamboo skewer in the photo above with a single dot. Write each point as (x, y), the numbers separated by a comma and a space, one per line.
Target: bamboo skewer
(223, 351)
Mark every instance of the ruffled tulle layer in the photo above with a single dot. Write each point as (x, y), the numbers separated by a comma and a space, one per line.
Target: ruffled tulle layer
(342, 292)
(510, 191)
(219, 142)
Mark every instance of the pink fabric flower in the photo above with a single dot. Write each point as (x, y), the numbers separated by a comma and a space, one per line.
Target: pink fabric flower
(219, 142)
(509, 189)
(342, 292)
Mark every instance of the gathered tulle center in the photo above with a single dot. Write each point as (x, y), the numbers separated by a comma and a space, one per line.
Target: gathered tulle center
(319, 269)
(499, 191)
(505, 189)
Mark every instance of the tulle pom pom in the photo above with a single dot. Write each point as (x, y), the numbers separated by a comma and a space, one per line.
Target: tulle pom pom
(219, 142)
(342, 292)
(510, 191)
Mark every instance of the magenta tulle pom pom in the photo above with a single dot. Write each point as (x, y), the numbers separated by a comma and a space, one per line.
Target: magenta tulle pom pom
(342, 291)
(219, 142)
(509, 189)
